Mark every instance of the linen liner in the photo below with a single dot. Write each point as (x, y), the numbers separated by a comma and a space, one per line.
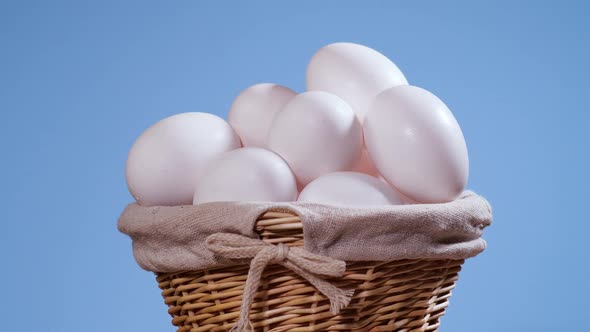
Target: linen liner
(174, 239)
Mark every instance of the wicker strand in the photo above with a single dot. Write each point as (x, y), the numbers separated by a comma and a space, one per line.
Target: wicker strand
(310, 266)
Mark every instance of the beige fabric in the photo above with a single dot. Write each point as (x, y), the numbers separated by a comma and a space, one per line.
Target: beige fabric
(310, 266)
(173, 239)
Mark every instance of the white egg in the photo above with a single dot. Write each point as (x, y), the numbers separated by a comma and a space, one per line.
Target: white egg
(349, 188)
(168, 158)
(253, 110)
(365, 164)
(353, 72)
(417, 145)
(247, 174)
(316, 133)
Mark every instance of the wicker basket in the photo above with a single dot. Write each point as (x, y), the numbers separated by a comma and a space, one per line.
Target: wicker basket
(405, 295)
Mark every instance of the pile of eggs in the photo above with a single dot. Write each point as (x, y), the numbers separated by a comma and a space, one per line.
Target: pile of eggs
(359, 135)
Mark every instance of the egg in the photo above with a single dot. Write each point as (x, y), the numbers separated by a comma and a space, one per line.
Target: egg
(353, 72)
(253, 110)
(349, 188)
(417, 145)
(166, 161)
(365, 164)
(316, 133)
(247, 174)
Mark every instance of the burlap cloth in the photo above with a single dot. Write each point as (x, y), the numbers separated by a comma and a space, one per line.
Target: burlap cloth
(174, 239)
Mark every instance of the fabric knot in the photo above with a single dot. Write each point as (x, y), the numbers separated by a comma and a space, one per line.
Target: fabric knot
(310, 266)
(281, 253)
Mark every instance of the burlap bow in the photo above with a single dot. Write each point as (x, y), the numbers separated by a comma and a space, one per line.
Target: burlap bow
(310, 266)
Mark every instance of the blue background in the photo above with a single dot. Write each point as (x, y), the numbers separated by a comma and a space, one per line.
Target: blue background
(79, 81)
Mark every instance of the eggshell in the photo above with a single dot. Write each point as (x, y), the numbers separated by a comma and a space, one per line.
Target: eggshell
(168, 158)
(247, 174)
(353, 72)
(365, 164)
(417, 145)
(316, 133)
(349, 188)
(252, 111)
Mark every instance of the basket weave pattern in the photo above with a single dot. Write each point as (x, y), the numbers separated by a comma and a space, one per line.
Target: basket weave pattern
(404, 295)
